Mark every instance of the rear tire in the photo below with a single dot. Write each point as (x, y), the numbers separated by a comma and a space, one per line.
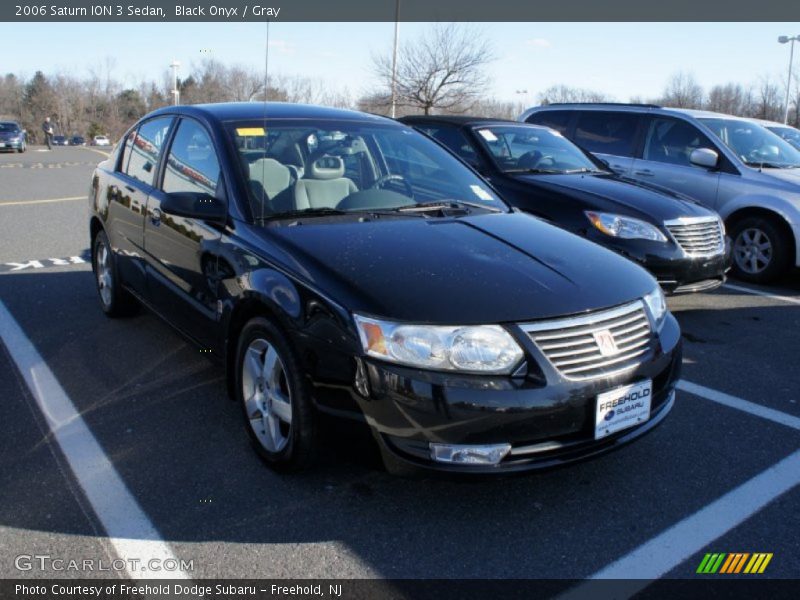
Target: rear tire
(114, 299)
(761, 249)
(276, 402)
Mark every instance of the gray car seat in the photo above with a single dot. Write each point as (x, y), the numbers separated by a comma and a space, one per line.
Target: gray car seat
(324, 184)
(276, 181)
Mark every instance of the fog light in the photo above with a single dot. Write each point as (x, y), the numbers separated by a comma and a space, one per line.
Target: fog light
(469, 454)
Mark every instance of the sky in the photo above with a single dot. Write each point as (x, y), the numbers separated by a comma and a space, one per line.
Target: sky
(621, 60)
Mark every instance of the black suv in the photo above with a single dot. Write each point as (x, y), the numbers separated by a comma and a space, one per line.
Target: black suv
(344, 263)
(539, 171)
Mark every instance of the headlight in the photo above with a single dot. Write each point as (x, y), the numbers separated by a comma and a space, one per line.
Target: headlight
(14, 139)
(476, 349)
(657, 305)
(624, 227)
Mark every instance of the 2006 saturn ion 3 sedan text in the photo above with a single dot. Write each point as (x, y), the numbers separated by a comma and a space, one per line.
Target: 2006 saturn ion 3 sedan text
(341, 262)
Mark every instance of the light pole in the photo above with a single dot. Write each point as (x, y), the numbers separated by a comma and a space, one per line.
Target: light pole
(783, 40)
(175, 65)
(394, 56)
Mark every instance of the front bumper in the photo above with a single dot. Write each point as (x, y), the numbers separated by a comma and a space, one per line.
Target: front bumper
(7, 145)
(676, 272)
(547, 419)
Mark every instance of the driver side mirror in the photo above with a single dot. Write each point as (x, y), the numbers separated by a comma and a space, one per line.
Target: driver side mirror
(704, 157)
(195, 205)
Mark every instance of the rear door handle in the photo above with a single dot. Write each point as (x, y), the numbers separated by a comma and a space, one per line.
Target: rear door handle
(130, 188)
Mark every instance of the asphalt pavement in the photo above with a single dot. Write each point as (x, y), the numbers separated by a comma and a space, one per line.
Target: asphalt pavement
(159, 412)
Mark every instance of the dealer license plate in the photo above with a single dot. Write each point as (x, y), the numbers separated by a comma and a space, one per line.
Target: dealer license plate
(2, 145)
(622, 407)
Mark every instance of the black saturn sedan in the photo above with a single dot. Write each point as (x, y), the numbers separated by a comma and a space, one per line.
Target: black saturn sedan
(536, 169)
(343, 263)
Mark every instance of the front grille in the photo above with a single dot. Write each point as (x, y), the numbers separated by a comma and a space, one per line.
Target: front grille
(698, 236)
(573, 345)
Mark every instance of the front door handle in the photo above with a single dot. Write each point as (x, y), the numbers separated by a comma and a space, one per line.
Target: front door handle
(645, 173)
(155, 216)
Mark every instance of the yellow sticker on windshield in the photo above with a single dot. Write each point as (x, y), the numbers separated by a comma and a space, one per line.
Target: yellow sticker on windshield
(249, 131)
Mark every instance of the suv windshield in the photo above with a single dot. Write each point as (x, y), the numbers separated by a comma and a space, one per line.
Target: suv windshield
(516, 148)
(755, 145)
(9, 127)
(292, 167)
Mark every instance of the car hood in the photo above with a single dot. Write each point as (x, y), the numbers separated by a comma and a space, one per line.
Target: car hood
(788, 175)
(489, 268)
(610, 193)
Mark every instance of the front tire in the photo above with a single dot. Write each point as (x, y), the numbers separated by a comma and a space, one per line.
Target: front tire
(114, 299)
(760, 249)
(276, 403)
(22, 148)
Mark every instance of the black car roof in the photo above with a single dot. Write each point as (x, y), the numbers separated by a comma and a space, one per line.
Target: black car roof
(229, 111)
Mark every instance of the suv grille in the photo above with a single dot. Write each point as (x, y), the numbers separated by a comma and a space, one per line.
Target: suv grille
(701, 236)
(595, 345)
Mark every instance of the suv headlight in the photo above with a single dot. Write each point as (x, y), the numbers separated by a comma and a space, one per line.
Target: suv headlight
(624, 227)
(488, 349)
(657, 305)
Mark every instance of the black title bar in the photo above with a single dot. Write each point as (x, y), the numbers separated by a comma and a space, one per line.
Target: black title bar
(402, 10)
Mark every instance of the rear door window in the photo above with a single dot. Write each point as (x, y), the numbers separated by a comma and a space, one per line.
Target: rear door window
(606, 132)
(145, 151)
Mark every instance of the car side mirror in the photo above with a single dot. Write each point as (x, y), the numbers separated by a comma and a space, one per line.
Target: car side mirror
(704, 157)
(195, 205)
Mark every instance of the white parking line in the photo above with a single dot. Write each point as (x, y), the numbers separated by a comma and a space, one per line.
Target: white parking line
(744, 405)
(669, 549)
(133, 536)
(747, 290)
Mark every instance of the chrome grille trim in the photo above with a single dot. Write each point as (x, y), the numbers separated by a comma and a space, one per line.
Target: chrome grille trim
(698, 236)
(570, 346)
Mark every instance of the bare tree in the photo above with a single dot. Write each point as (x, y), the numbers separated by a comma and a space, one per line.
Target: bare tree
(442, 70)
(683, 91)
(768, 100)
(565, 93)
(731, 98)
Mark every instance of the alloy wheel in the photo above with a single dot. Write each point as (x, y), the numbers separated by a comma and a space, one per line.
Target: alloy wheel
(267, 396)
(752, 250)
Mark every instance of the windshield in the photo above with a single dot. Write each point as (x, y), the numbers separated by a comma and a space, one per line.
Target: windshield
(348, 166)
(9, 127)
(790, 134)
(516, 148)
(755, 145)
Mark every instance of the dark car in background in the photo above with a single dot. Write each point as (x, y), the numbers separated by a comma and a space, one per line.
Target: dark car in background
(12, 137)
(60, 140)
(77, 140)
(343, 263)
(542, 173)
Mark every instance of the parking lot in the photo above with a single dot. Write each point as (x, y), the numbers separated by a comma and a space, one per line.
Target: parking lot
(171, 474)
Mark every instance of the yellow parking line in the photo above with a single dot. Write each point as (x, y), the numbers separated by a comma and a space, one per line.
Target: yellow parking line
(106, 154)
(50, 201)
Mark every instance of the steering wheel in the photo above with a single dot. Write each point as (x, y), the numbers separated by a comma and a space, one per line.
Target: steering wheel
(380, 182)
(532, 159)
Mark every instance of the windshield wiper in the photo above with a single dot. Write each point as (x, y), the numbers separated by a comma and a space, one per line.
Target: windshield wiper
(770, 165)
(584, 170)
(537, 171)
(301, 213)
(445, 205)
